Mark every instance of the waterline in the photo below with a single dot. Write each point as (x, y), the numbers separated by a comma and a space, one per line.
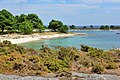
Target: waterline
(101, 39)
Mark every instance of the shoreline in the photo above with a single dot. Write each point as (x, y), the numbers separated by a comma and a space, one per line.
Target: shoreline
(91, 30)
(17, 38)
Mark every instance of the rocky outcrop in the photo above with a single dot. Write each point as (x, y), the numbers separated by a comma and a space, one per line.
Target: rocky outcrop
(82, 76)
(14, 77)
(62, 76)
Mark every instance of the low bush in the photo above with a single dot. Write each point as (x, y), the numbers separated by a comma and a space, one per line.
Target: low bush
(98, 68)
(21, 60)
(112, 65)
(85, 48)
(55, 64)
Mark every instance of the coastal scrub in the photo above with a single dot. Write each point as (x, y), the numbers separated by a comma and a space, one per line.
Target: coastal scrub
(23, 61)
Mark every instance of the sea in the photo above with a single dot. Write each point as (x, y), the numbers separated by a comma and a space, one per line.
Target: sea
(102, 39)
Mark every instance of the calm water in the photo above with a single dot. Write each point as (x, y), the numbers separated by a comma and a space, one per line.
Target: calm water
(101, 39)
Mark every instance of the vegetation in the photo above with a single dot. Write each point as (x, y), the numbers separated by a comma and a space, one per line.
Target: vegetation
(84, 27)
(72, 27)
(91, 26)
(63, 29)
(114, 27)
(102, 27)
(25, 24)
(23, 61)
(106, 27)
(19, 60)
(56, 25)
(6, 20)
(98, 68)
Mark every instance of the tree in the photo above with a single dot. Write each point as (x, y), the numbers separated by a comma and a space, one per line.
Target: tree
(41, 27)
(106, 27)
(6, 20)
(4, 23)
(112, 27)
(91, 26)
(18, 20)
(2, 17)
(117, 27)
(31, 18)
(7, 15)
(63, 29)
(35, 20)
(84, 27)
(26, 27)
(102, 27)
(72, 27)
(21, 18)
(55, 24)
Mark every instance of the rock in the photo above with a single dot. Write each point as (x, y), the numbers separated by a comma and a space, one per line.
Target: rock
(14, 77)
(64, 76)
(82, 76)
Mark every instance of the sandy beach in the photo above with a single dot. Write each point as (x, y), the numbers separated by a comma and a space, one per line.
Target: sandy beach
(17, 38)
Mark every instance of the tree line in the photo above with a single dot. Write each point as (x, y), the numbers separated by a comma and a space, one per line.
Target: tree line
(106, 27)
(25, 24)
(102, 27)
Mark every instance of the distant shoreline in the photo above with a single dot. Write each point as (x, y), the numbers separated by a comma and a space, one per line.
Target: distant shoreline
(91, 30)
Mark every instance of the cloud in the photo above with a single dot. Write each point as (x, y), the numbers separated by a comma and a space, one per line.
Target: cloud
(51, 1)
(16, 1)
(68, 11)
(47, 12)
(98, 1)
(45, 0)
(110, 0)
(115, 8)
(66, 1)
(77, 1)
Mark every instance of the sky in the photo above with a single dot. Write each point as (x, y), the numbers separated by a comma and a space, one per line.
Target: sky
(70, 12)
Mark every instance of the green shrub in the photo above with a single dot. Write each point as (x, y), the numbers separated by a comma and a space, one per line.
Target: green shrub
(20, 59)
(6, 42)
(98, 53)
(45, 48)
(18, 66)
(112, 65)
(55, 64)
(98, 68)
(85, 48)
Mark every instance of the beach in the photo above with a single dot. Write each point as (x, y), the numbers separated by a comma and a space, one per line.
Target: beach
(18, 38)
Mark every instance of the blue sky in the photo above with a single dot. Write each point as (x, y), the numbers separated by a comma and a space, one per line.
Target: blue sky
(77, 12)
